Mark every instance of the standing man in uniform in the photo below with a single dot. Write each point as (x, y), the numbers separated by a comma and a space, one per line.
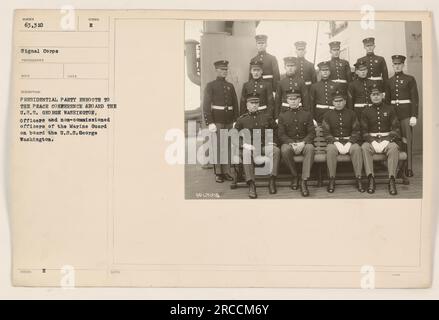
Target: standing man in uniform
(320, 93)
(220, 109)
(376, 64)
(270, 67)
(259, 86)
(291, 82)
(381, 132)
(340, 68)
(255, 119)
(402, 93)
(341, 130)
(296, 134)
(358, 96)
(305, 69)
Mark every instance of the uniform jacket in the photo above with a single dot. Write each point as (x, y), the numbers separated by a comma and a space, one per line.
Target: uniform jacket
(263, 88)
(320, 93)
(296, 125)
(270, 67)
(258, 120)
(376, 66)
(340, 69)
(220, 93)
(380, 119)
(343, 123)
(402, 86)
(290, 82)
(358, 92)
(306, 71)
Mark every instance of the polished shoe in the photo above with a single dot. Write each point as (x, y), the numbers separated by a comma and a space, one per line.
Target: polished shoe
(295, 183)
(392, 186)
(360, 187)
(304, 188)
(272, 189)
(219, 178)
(371, 187)
(252, 190)
(409, 173)
(227, 177)
(331, 185)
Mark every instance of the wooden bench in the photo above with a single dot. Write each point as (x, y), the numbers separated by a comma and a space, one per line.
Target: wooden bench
(319, 170)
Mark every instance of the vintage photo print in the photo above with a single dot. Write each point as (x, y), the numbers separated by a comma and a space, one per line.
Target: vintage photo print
(303, 109)
(123, 122)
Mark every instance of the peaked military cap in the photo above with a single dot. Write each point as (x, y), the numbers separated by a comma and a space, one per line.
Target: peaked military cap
(397, 58)
(369, 40)
(290, 60)
(261, 38)
(300, 44)
(221, 64)
(334, 44)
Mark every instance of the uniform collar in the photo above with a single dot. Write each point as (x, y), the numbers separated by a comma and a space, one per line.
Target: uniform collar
(370, 54)
(295, 110)
(220, 79)
(399, 73)
(256, 80)
(262, 52)
(334, 58)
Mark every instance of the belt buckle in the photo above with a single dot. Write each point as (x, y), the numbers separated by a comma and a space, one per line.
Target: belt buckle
(379, 137)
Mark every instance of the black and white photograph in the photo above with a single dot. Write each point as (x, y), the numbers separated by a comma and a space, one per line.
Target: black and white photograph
(303, 109)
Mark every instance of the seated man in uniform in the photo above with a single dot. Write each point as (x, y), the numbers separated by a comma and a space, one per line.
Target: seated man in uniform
(258, 120)
(296, 133)
(381, 132)
(341, 130)
(261, 87)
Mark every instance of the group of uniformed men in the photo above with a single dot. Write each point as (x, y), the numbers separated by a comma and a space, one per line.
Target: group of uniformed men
(370, 114)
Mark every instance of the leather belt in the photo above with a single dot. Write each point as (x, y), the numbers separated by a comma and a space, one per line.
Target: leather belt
(324, 106)
(379, 134)
(400, 101)
(268, 76)
(340, 80)
(284, 104)
(342, 138)
(308, 83)
(375, 78)
(361, 105)
(262, 107)
(222, 107)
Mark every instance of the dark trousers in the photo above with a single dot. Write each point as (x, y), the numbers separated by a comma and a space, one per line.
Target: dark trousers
(392, 153)
(406, 132)
(273, 155)
(356, 158)
(288, 158)
(220, 153)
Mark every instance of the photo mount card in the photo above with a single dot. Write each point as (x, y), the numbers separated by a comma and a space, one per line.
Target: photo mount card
(112, 181)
